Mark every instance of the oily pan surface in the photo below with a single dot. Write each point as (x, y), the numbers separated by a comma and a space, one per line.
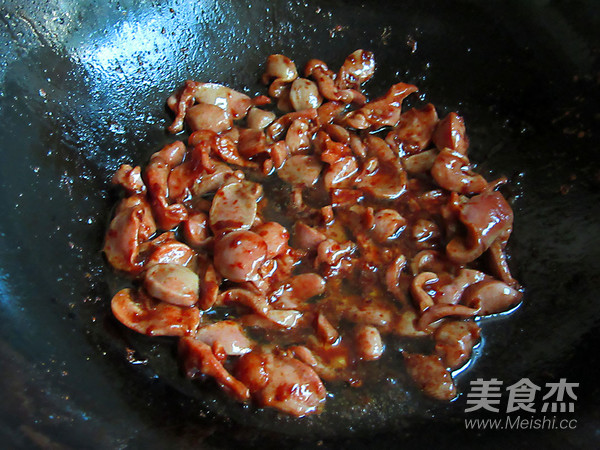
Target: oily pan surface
(83, 91)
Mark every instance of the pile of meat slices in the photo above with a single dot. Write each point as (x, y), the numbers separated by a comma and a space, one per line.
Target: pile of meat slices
(294, 233)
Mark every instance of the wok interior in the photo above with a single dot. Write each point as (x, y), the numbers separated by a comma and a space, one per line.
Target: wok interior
(83, 91)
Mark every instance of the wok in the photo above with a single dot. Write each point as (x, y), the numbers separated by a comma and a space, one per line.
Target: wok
(82, 91)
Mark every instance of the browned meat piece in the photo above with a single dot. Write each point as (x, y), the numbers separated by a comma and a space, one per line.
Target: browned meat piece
(451, 171)
(358, 68)
(228, 334)
(341, 174)
(282, 383)
(297, 290)
(486, 217)
(147, 316)
(307, 238)
(301, 170)
(156, 176)
(173, 284)
(259, 119)
(133, 224)
(198, 358)
(452, 292)
(430, 375)
(234, 104)
(239, 255)
(441, 310)
(414, 131)
(195, 229)
(275, 236)
(170, 252)
(490, 297)
(369, 345)
(234, 207)
(208, 117)
(454, 342)
(304, 94)
(382, 112)
(450, 133)
(130, 178)
(292, 218)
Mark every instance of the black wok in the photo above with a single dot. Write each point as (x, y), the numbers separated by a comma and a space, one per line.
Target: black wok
(82, 90)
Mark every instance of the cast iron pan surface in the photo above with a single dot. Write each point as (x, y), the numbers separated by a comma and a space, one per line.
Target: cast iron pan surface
(82, 90)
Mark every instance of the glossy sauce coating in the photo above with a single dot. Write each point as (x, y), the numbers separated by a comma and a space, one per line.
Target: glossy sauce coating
(320, 225)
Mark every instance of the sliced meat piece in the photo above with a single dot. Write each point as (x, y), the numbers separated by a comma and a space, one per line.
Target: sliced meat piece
(276, 237)
(235, 104)
(239, 254)
(358, 68)
(368, 312)
(428, 261)
(498, 262)
(301, 170)
(304, 354)
(209, 288)
(344, 198)
(297, 138)
(151, 317)
(228, 152)
(228, 334)
(491, 297)
(328, 111)
(279, 67)
(130, 178)
(451, 170)
(486, 217)
(414, 131)
(451, 293)
(307, 238)
(420, 162)
(341, 174)
(156, 176)
(384, 111)
(406, 325)
(196, 229)
(254, 301)
(450, 133)
(369, 345)
(297, 290)
(388, 224)
(259, 119)
(252, 142)
(171, 252)
(381, 180)
(420, 289)
(331, 252)
(234, 207)
(441, 310)
(278, 127)
(133, 224)
(430, 375)
(173, 284)
(454, 342)
(282, 383)
(198, 358)
(392, 277)
(325, 330)
(325, 78)
(284, 318)
(304, 94)
(209, 182)
(208, 117)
